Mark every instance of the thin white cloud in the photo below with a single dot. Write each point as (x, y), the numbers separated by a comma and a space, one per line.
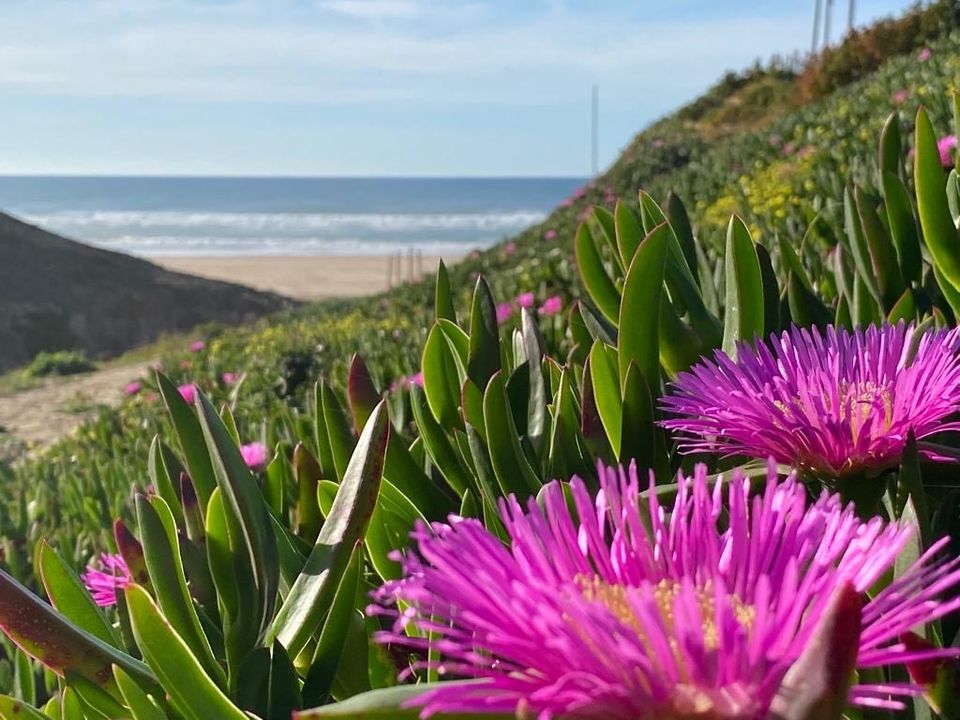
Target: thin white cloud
(373, 9)
(249, 52)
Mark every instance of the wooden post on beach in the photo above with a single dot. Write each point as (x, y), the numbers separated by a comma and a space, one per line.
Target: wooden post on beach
(410, 269)
(390, 271)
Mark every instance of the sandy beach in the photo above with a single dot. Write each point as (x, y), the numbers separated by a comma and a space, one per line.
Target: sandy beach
(309, 277)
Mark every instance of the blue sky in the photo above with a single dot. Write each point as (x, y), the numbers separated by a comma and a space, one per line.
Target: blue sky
(363, 87)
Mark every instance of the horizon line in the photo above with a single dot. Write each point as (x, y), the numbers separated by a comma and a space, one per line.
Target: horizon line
(262, 176)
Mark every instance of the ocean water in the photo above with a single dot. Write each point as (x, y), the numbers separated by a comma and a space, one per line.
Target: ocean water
(283, 216)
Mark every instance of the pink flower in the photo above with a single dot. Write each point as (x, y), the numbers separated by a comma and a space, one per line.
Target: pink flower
(789, 148)
(132, 388)
(925, 54)
(620, 608)
(550, 234)
(188, 392)
(229, 378)
(197, 345)
(567, 202)
(551, 306)
(579, 192)
(504, 312)
(946, 145)
(834, 402)
(103, 580)
(254, 455)
(525, 300)
(900, 97)
(408, 381)
(510, 248)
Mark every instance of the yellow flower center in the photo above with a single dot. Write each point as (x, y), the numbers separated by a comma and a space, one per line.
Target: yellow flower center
(616, 599)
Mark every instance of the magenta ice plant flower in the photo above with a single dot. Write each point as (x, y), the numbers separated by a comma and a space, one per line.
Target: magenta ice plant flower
(900, 97)
(550, 234)
(525, 300)
(132, 388)
(197, 346)
(833, 403)
(408, 381)
(947, 146)
(104, 578)
(504, 312)
(254, 455)
(188, 391)
(551, 306)
(925, 54)
(229, 378)
(628, 610)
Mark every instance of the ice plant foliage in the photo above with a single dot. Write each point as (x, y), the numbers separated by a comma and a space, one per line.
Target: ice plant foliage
(833, 403)
(105, 578)
(624, 611)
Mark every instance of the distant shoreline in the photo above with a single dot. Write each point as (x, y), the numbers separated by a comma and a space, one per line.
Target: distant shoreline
(307, 277)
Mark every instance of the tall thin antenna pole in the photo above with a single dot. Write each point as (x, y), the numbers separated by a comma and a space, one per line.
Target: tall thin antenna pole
(828, 12)
(816, 27)
(595, 131)
(851, 11)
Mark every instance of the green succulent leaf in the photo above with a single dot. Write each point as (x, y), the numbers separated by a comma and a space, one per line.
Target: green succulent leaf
(362, 393)
(190, 434)
(744, 316)
(333, 635)
(600, 287)
(141, 705)
(606, 392)
(639, 324)
(939, 232)
(391, 704)
(629, 232)
(441, 380)
(180, 673)
(443, 297)
(165, 567)
(312, 594)
(45, 634)
(13, 709)
(243, 498)
(69, 596)
(512, 468)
